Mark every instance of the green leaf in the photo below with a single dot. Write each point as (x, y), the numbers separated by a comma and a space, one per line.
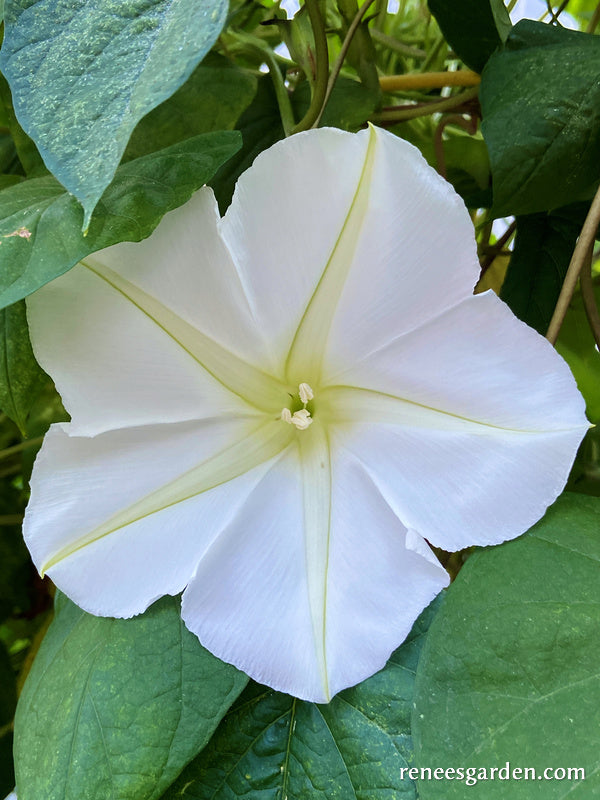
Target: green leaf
(212, 99)
(540, 99)
(543, 248)
(466, 161)
(8, 690)
(471, 27)
(22, 146)
(349, 107)
(83, 74)
(501, 18)
(260, 126)
(40, 223)
(15, 563)
(7, 772)
(21, 377)
(116, 708)
(467, 168)
(274, 746)
(577, 346)
(8, 702)
(509, 671)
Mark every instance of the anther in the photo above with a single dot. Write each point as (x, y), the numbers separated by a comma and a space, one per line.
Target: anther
(305, 392)
(301, 418)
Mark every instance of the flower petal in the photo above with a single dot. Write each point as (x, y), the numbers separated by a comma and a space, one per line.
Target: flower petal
(472, 436)
(186, 264)
(122, 518)
(284, 221)
(457, 488)
(479, 362)
(120, 357)
(252, 600)
(332, 203)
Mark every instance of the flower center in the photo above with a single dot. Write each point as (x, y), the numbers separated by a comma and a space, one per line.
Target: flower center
(299, 417)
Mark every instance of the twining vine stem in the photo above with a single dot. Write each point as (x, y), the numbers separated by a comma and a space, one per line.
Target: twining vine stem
(593, 23)
(495, 250)
(428, 80)
(399, 47)
(587, 295)
(581, 256)
(335, 71)
(10, 519)
(554, 15)
(246, 41)
(319, 96)
(393, 115)
(9, 451)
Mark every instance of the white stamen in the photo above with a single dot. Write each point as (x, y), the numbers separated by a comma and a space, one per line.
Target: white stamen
(302, 419)
(305, 392)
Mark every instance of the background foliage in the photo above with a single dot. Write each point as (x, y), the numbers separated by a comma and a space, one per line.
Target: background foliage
(111, 114)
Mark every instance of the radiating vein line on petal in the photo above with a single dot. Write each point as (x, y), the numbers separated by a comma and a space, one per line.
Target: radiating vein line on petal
(353, 404)
(310, 340)
(255, 387)
(316, 477)
(261, 444)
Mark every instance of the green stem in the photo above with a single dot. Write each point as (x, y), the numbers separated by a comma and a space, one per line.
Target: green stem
(491, 252)
(587, 295)
(11, 519)
(401, 115)
(593, 23)
(281, 93)
(380, 15)
(397, 46)
(578, 260)
(318, 100)
(361, 50)
(9, 451)
(335, 71)
(8, 472)
(554, 15)
(433, 53)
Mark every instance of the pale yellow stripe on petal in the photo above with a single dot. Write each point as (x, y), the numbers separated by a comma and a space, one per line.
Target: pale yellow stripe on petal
(257, 388)
(352, 404)
(262, 444)
(316, 479)
(310, 340)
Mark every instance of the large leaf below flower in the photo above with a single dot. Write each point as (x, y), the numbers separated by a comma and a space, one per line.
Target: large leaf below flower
(540, 98)
(83, 74)
(510, 668)
(274, 746)
(116, 708)
(40, 223)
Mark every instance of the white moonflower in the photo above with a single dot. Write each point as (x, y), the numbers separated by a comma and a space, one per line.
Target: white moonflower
(272, 412)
